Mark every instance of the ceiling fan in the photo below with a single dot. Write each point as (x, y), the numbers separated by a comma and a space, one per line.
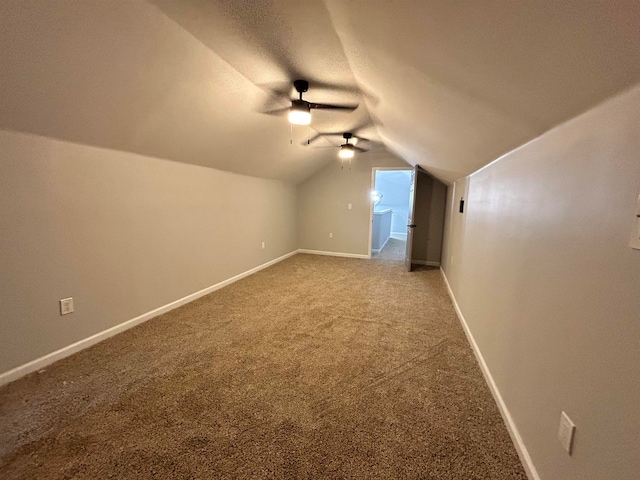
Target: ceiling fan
(300, 111)
(347, 150)
(348, 137)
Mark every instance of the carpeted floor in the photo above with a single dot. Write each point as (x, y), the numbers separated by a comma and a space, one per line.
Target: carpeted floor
(394, 250)
(318, 367)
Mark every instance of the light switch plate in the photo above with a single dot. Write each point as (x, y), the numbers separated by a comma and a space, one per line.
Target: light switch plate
(635, 234)
(566, 432)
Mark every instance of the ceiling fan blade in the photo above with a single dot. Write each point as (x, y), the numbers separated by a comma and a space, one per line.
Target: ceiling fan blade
(312, 139)
(362, 139)
(361, 149)
(277, 111)
(318, 136)
(359, 139)
(324, 106)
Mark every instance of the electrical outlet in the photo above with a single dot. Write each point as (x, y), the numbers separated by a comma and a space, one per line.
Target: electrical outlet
(263, 245)
(566, 432)
(66, 306)
(330, 234)
(349, 206)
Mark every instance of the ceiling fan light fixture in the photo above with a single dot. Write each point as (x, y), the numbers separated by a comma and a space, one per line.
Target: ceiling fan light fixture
(346, 151)
(300, 113)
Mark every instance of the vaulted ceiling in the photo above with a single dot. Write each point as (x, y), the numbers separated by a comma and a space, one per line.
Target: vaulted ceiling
(448, 85)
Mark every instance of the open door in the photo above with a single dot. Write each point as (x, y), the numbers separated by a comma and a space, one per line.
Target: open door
(411, 225)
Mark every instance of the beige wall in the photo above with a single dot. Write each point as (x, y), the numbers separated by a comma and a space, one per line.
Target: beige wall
(323, 200)
(436, 221)
(454, 232)
(542, 271)
(421, 215)
(121, 233)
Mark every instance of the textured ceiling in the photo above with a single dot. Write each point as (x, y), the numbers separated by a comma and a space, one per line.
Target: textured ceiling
(447, 85)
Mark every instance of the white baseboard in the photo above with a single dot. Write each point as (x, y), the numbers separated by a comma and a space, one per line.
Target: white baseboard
(426, 262)
(523, 453)
(48, 359)
(333, 254)
(378, 250)
(399, 235)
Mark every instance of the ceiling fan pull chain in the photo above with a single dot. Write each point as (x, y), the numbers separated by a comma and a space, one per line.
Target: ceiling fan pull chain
(291, 134)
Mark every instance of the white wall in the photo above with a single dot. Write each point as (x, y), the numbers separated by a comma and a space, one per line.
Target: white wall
(395, 185)
(323, 200)
(121, 233)
(541, 269)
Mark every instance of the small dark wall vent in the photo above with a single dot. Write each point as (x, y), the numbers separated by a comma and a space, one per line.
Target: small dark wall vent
(461, 205)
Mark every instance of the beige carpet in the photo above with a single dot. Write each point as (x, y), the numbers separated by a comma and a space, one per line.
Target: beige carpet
(394, 250)
(318, 367)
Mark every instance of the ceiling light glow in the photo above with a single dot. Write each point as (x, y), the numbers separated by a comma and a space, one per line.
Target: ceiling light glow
(346, 151)
(299, 113)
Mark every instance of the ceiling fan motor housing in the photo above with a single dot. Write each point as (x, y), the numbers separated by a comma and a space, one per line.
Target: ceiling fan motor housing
(301, 86)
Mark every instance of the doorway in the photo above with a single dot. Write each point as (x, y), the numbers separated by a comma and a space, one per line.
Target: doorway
(390, 198)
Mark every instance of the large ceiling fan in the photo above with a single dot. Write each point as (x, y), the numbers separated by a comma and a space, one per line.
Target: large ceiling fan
(300, 111)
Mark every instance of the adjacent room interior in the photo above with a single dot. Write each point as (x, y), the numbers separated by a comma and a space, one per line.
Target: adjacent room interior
(390, 195)
(319, 239)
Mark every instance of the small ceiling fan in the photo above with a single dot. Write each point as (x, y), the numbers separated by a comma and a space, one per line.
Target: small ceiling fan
(354, 139)
(300, 111)
(348, 150)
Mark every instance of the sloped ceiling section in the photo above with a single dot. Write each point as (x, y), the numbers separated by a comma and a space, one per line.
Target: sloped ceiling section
(447, 85)
(461, 83)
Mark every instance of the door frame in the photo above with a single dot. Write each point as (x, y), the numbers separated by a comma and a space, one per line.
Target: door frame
(373, 186)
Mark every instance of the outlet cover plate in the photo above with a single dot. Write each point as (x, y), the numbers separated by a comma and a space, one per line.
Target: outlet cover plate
(66, 306)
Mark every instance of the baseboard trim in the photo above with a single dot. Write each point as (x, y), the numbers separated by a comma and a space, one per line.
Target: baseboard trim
(52, 357)
(378, 250)
(334, 254)
(426, 262)
(521, 448)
